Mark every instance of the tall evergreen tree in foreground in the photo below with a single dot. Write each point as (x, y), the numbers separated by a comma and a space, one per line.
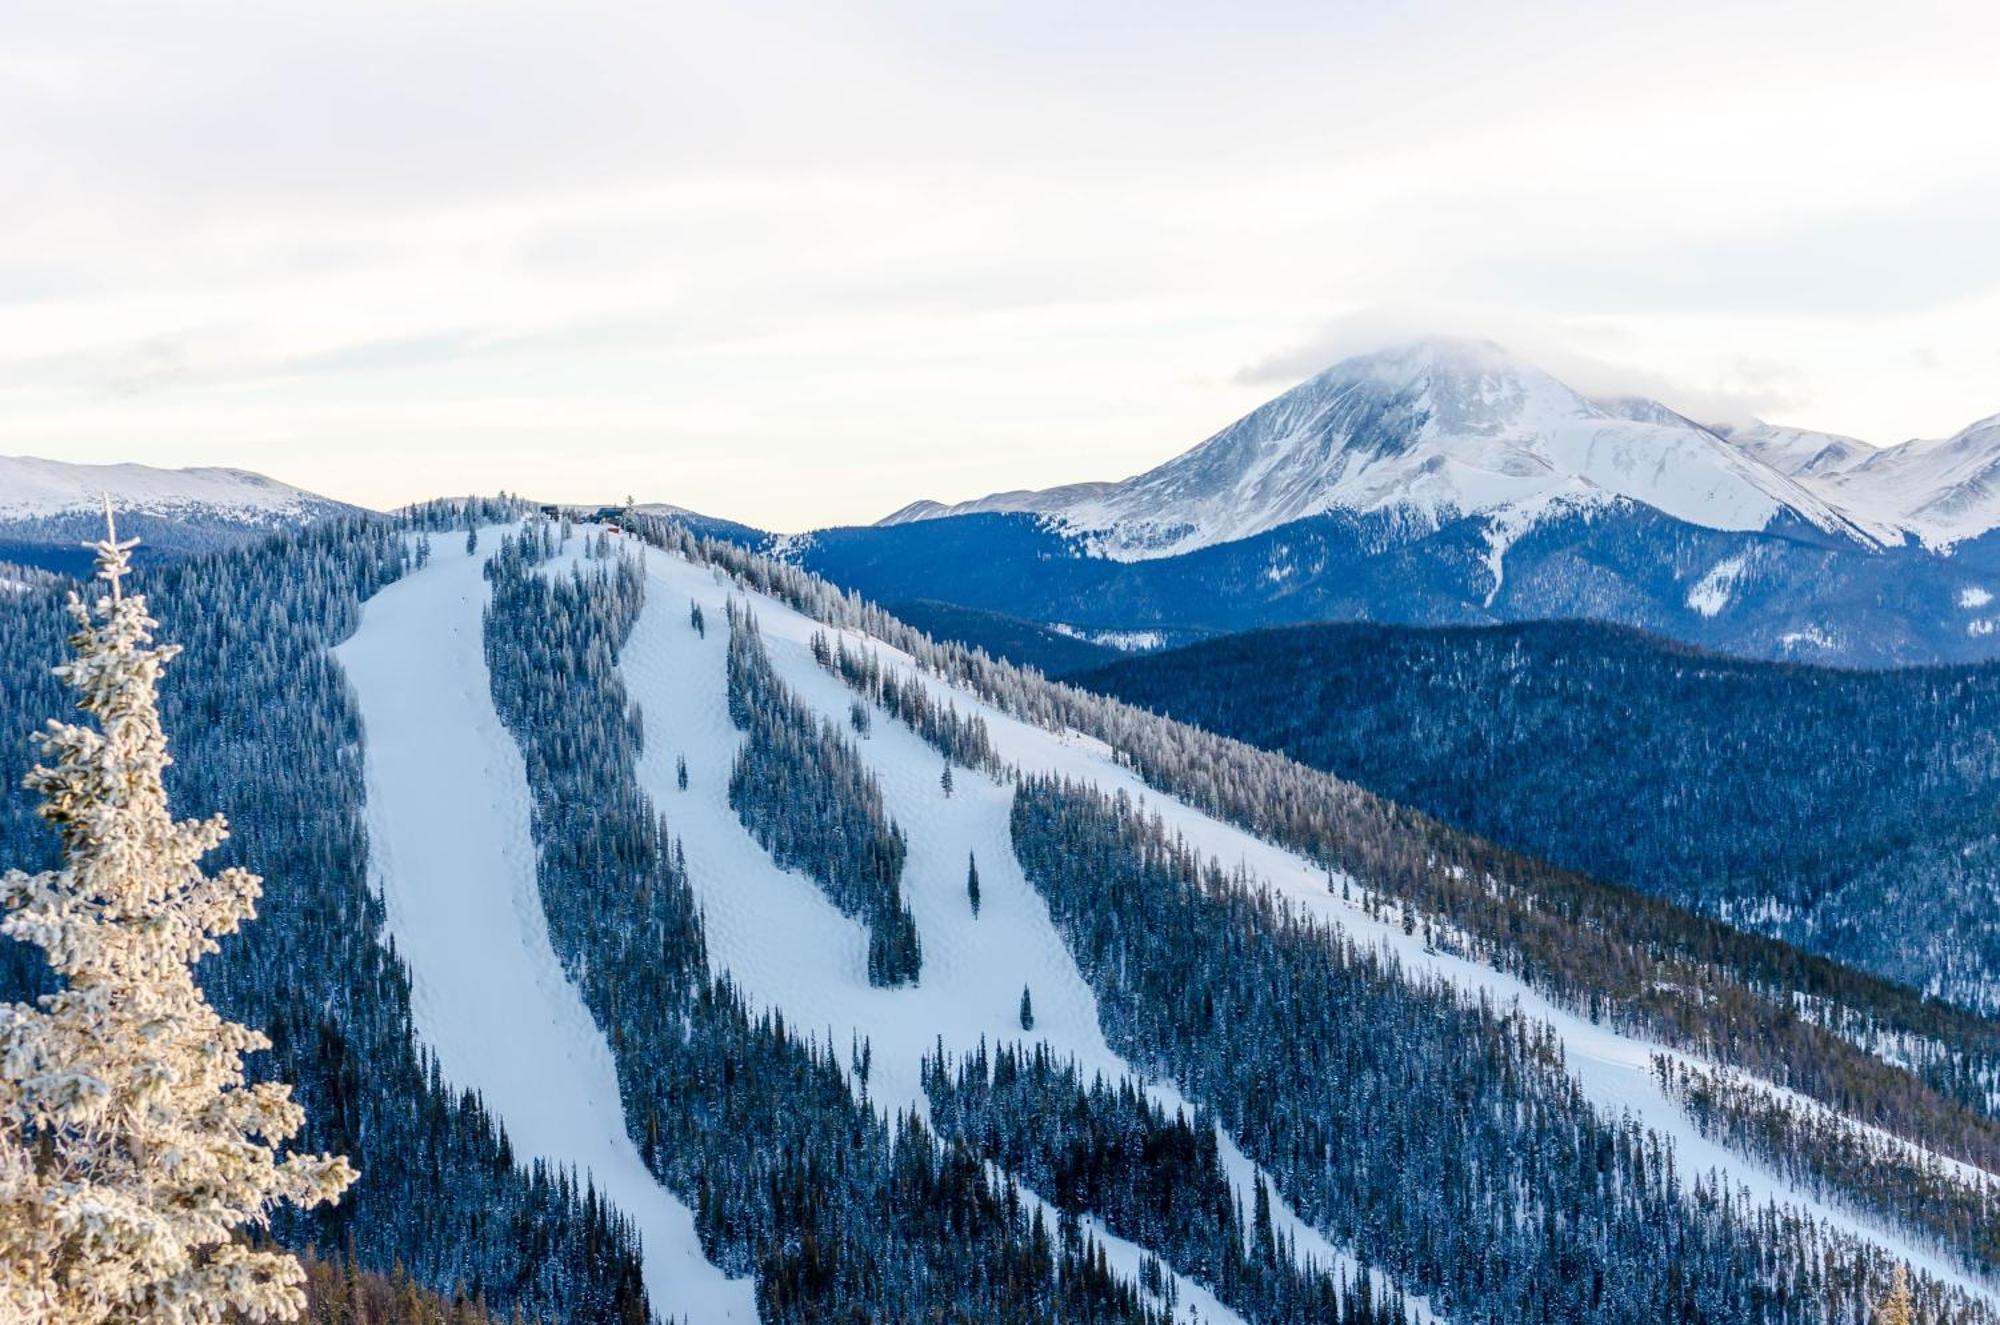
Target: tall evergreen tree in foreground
(131, 1148)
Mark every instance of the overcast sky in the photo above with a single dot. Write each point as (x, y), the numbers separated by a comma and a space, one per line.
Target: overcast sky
(799, 264)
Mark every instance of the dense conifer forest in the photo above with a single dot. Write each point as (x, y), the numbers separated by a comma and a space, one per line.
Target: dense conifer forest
(1104, 1149)
(1804, 802)
(262, 728)
(342, 1293)
(1825, 1154)
(1440, 1138)
(960, 738)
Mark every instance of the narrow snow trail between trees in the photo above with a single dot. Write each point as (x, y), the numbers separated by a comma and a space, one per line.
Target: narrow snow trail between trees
(787, 947)
(784, 951)
(1192, 1302)
(450, 849)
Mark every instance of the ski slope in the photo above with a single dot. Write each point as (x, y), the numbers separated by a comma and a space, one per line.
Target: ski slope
(450, 850)
(787, 947)
(790, 949)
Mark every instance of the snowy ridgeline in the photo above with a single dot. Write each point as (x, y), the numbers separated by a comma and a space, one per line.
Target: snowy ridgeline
(464, 910)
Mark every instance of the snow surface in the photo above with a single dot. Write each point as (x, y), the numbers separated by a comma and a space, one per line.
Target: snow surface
(776, 926)
(1800, 453)
(1432, 430)
(1712, 591)
(449, 848)
(1195, 1303)
(787, 947)
(30, 487)
(1944, 491)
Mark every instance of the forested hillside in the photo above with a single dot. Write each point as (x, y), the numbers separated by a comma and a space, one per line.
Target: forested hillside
(1847, 1038)
(1025, 642)
(262, 727)
(840, 1212)
(1805, 802)
(1442, 1139)
(1164, 1018)
(1618, 959)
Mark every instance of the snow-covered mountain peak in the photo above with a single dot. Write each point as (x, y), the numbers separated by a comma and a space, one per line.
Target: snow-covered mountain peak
(1429, 430)
(1943, 490)
(1468, 387)
(1801, 453)
(32, 488)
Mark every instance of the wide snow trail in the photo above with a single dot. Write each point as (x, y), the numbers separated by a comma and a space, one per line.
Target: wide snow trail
(773, 929)
(450, 849)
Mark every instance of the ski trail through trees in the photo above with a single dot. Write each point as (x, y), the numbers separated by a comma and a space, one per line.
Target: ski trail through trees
(450, 848)
(787, 947)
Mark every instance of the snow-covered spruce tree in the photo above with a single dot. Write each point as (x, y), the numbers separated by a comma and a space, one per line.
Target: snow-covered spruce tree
(1895, 1309)
(131, 1149)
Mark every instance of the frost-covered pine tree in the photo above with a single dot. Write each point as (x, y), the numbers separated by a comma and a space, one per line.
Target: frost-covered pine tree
(131, 1150)
(1896, 1309)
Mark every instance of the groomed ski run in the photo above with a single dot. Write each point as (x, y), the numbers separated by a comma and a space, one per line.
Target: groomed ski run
(448, 832)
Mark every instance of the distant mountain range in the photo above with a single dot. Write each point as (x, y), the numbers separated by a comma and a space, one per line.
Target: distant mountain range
(1439, 482)
(48, 508)
(1444, 482)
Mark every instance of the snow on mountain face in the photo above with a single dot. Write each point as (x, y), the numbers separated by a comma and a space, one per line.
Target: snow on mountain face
(1943, 491)
(1639, 409)
(31, 488)
(1432, 430)
(1799, 453)
(1046, 501)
